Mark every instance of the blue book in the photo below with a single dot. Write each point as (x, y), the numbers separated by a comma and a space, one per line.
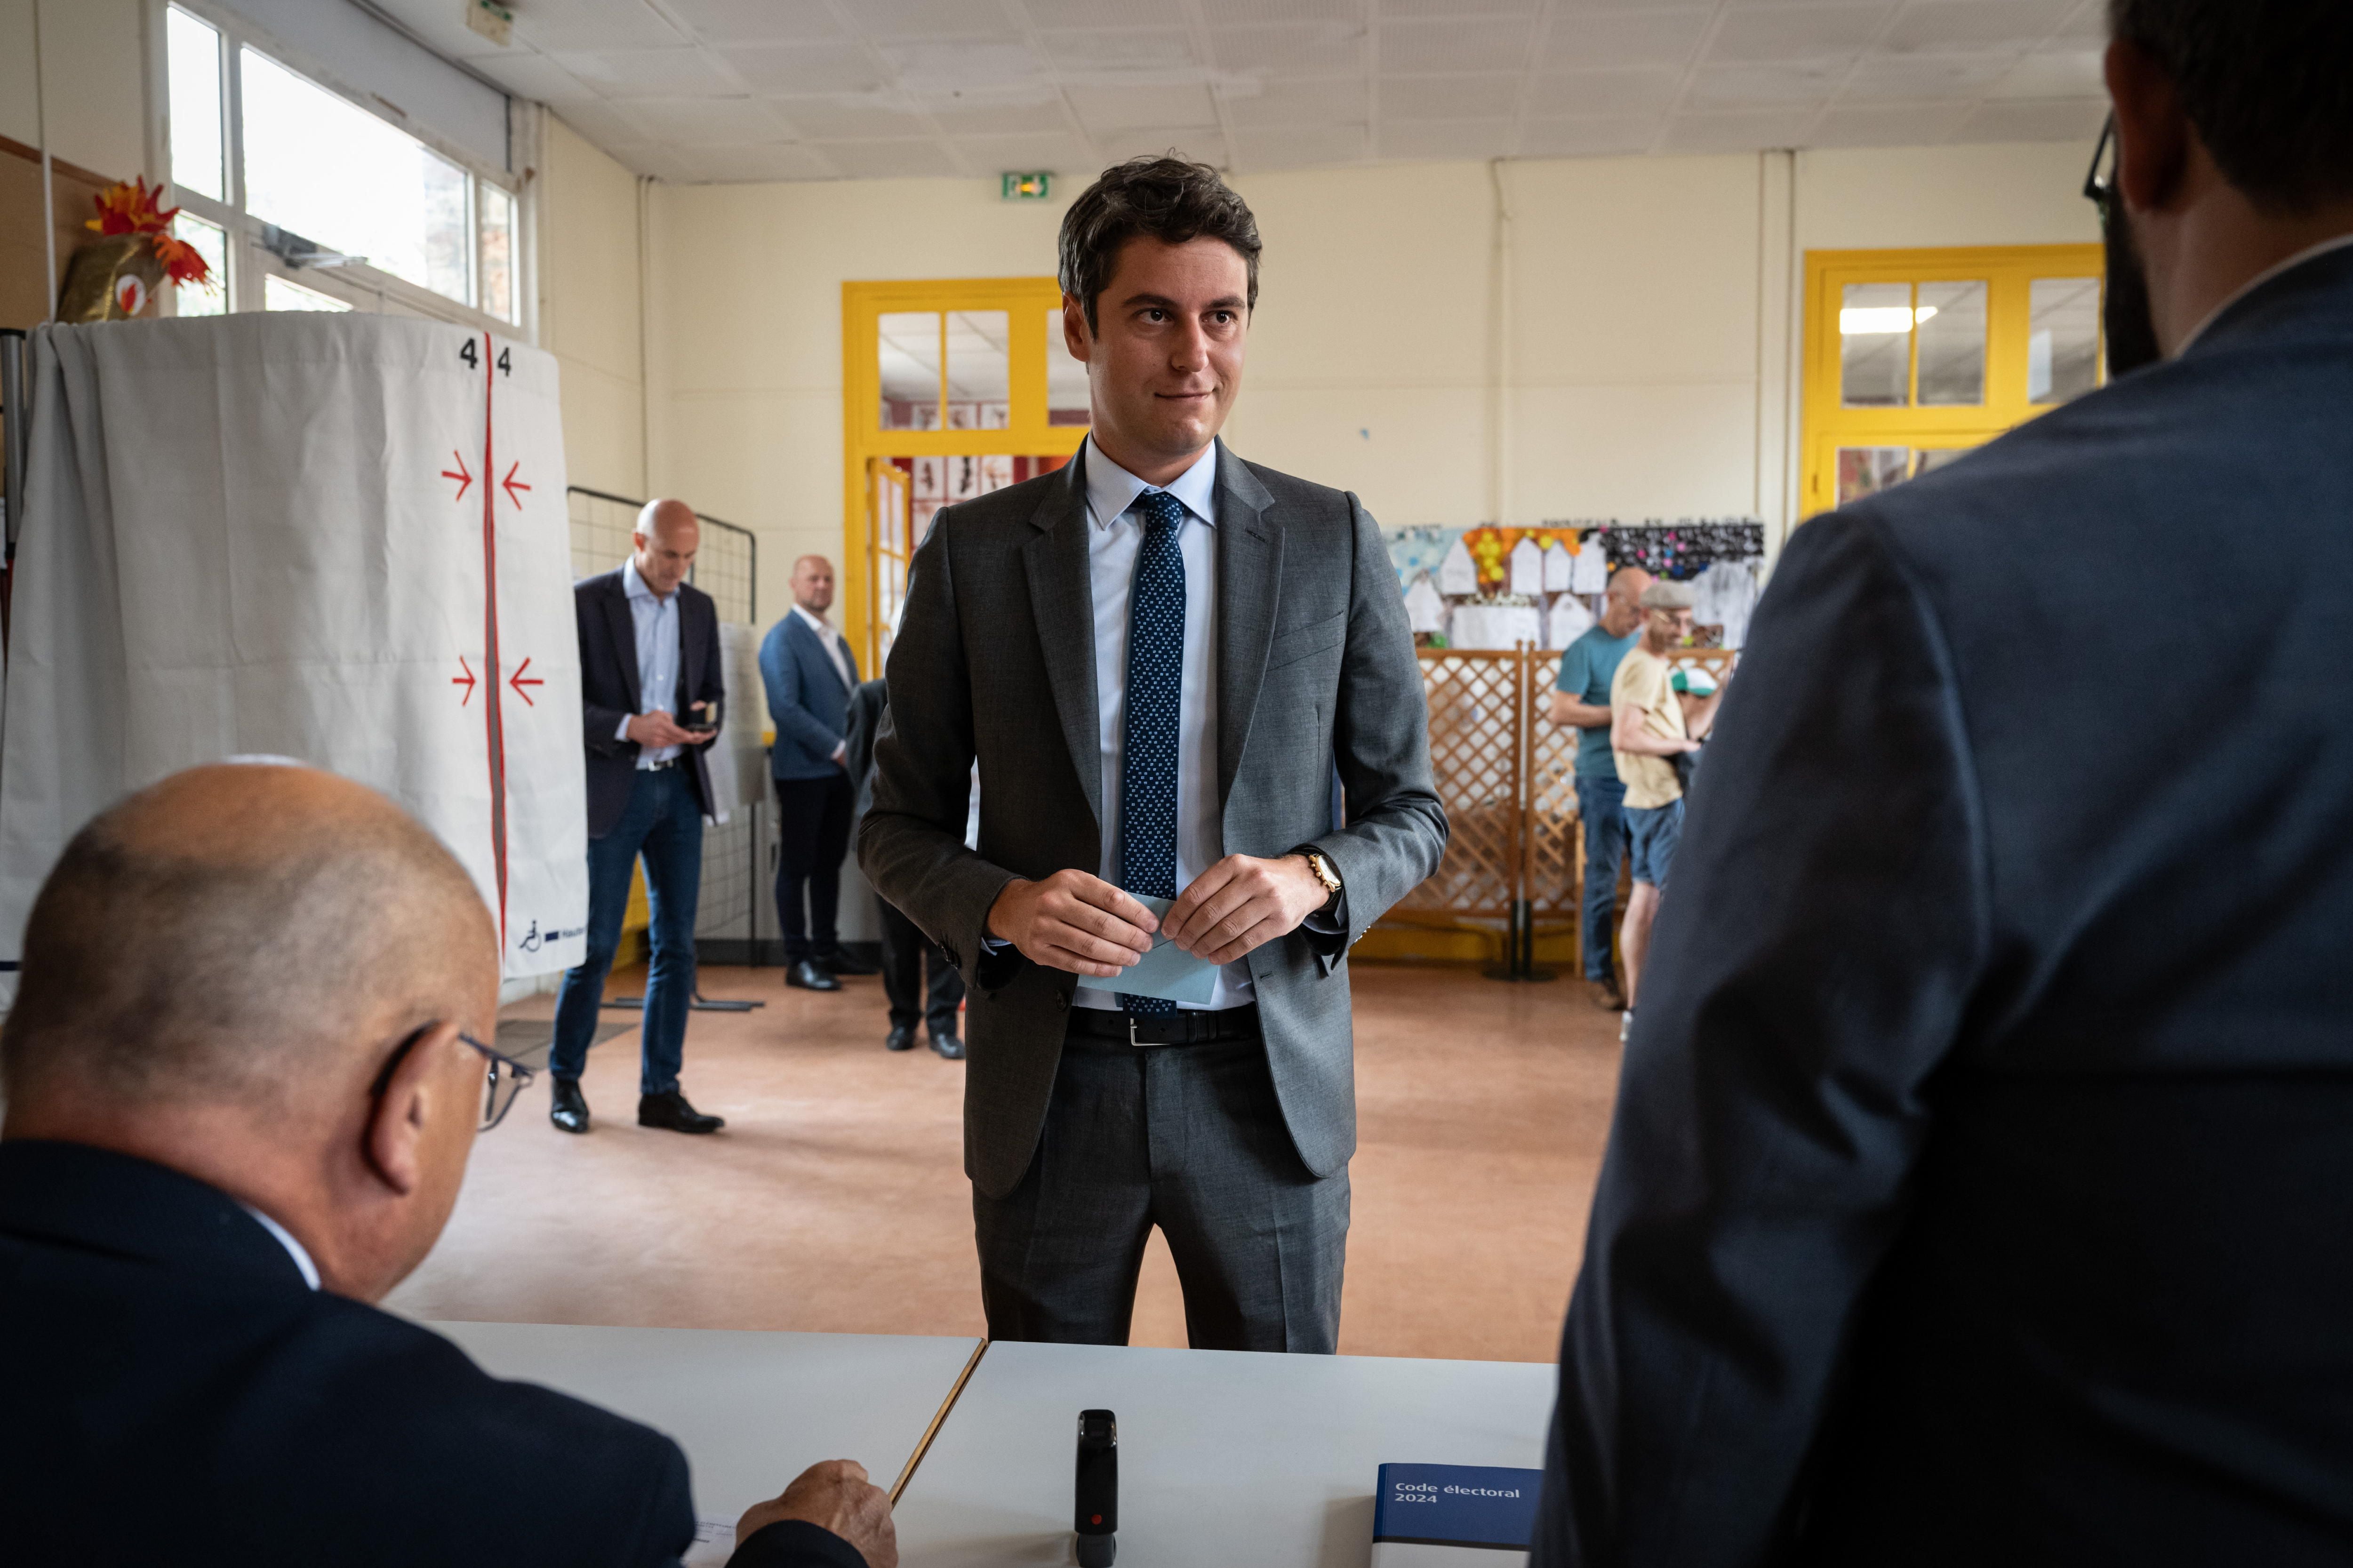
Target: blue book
(1453, 1516)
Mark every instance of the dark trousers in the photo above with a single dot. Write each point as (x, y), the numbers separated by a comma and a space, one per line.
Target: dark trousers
(812, 837)
(664, 824)
(1188, 1138)
(1603, 803)
(905, 950)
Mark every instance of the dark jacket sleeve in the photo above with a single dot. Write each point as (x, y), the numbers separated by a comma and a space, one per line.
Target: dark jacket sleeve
(712, 688)
(601, 723)
(794, 1544)
(867, 706)
(1396, 829)
(910, 844)
(1810, 971)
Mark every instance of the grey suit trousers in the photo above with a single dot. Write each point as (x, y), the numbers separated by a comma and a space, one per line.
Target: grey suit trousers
(1187, 1137)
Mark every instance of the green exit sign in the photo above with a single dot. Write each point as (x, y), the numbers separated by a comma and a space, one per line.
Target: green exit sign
(1025, 187)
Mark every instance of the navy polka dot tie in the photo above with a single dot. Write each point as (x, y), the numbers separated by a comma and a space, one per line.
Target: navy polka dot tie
(1156, 659)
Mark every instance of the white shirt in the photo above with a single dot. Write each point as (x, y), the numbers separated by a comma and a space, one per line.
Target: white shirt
(2309, 253)
(830, 640)
(1114, 539)
(656, 621)
(294, 1250)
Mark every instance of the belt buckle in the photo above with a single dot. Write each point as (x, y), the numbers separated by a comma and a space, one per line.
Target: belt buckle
(1133, 1043)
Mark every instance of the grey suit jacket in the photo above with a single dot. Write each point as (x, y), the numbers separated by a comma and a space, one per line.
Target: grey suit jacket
(994, 660)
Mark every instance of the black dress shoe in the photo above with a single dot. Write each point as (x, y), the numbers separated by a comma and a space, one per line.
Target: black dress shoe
(949, 1046)
(903, 1038)
(672, 1111)
(570, 1111)
(809, 976)
(842, 963)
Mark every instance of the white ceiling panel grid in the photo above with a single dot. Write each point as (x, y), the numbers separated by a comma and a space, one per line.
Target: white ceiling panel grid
(808, 89)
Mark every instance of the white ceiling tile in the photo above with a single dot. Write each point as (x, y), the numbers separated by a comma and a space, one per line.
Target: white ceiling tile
(1136, 49)
(1446, 138)
(2086, 24)
(535, 76)
(1581, 41)
(1104, 109)
(978, 115)
(1319, 101)
(806, 68)
(1066, 154)
(1601, 136)
(1461, 44)
(444, 30)
(1889, 78)
(1153, 141)
(1455, 8)
(1297, 49)
(1745, 132)
(1792, 82)
(929, 19)
(600, 122)
(554, 25)
(1797, 33)
(963, 67)
(754, 162)
(1592, 94)
(758, 21)
(1976, 24)
(838, 119)
(2065, 73)
(1219, 12)
(889, 160)
(1888, 125)
(2029, 119)
(1299, 147)
(1048, 14)
(703, 122)
(640, 157)
(1483, 97)
(647, 73)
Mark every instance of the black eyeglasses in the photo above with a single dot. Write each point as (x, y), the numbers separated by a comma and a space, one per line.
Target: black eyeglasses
(504, 1080)
(2100, 189)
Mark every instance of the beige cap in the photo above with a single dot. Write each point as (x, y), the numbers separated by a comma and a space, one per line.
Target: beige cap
(1668, 596)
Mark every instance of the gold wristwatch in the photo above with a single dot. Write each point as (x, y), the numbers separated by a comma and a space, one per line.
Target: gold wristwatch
(1323, 874)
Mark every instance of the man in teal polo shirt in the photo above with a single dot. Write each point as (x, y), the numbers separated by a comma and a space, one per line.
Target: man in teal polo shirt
(1581, 698)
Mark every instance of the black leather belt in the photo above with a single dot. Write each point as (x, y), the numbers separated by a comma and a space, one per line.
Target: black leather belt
(1178, 1028)
(665, 763)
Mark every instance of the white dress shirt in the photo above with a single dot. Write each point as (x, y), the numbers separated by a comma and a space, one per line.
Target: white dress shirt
(830, 640)
(1114, 538)
(656, 621)
(294, 1250)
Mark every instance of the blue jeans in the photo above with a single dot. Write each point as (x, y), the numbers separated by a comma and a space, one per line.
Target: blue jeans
(1603, 803)
(1655, 833)
(661, 821)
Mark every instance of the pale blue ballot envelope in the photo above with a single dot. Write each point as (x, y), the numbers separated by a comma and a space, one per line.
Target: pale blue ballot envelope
(1167, 972)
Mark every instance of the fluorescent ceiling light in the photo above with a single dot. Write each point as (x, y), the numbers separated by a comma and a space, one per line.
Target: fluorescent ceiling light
(1863, 320)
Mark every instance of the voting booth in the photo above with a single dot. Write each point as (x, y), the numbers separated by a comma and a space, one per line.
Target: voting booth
(337, 539)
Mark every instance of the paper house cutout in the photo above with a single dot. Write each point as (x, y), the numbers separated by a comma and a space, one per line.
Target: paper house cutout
(1458, 573)
(1527, 568)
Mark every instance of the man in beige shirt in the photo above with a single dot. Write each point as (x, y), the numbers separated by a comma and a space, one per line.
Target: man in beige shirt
(1649, 727)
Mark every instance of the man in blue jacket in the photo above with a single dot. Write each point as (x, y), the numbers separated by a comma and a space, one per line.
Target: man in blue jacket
(810, 672)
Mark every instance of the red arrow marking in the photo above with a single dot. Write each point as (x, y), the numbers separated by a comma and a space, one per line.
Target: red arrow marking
(511, 484)
(461, 476)
(466, 680)
(519, 683)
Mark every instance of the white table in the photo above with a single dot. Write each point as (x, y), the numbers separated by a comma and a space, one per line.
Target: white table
(1225, 1459)
(752, 1410)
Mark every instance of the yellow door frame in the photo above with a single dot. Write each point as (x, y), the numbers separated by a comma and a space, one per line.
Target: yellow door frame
(2008, 271)
(1026, 434)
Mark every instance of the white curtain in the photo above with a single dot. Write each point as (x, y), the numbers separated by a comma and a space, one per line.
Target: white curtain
(341, 538)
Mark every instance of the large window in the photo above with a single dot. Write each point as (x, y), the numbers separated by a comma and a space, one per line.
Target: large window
(1915, 356)
(305, 200)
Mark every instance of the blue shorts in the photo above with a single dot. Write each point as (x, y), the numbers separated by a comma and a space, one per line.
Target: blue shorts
(1654, 833)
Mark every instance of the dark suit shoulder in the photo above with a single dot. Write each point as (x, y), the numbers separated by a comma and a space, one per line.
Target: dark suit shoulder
(1013, 507)
(599, 585)
(1295, 493)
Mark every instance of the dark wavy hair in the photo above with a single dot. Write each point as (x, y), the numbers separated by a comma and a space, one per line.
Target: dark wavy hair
(2268, 84)
(1165, 198)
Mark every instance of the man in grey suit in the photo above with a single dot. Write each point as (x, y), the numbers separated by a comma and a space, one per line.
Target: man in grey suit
(1160, 654)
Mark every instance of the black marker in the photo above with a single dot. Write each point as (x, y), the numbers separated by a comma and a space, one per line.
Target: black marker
(1095, 1512)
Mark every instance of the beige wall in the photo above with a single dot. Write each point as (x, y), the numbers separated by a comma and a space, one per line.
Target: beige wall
(1628, 350)
(589, 306)
(91, 71)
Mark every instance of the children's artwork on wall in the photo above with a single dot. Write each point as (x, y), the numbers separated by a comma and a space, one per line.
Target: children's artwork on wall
(1560, 565)
(1488, 569)
(1570, 621)
(1527, 573)
(1457, 574)
(1425, 607)
(1592, 573)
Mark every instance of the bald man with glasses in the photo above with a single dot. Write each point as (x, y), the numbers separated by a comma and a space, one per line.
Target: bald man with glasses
(243, 1072)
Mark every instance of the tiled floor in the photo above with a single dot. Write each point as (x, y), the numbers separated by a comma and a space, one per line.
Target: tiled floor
(836, 1200)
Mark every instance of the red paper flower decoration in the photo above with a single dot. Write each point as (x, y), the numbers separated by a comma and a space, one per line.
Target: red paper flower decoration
(137, 208)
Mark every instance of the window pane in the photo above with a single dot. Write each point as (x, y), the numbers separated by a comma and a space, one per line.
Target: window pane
(2062, 345)
(498, 252)
(209, 297)
(341, 178)
(1867, 470)
(1876, 345)
(980, 376)
(192, 52)
(278, 294)
(1951, 318)
(1068, 401)
(907, 352)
